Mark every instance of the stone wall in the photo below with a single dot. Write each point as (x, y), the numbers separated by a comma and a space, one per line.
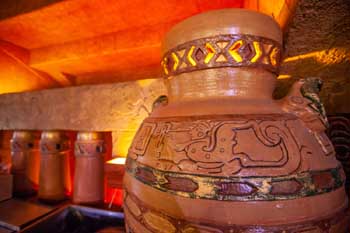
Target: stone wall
(318, 44)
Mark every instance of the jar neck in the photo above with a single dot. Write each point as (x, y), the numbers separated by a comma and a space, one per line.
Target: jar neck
(239, 83)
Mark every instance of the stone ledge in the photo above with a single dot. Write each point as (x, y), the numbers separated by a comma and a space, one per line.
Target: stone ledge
(108, 107)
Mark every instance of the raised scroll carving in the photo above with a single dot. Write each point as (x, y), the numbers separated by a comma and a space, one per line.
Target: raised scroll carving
(218, 146)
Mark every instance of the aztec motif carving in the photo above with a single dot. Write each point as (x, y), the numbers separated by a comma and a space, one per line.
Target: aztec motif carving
(239, 188)
(213, 146)
(223, 51)
(19, 145)
(48, 146)
(89, 147)
(304, 102)
(339, 134)
(155, 221)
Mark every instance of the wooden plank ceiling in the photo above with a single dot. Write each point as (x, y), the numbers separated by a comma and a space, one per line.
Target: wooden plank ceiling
(65, 43)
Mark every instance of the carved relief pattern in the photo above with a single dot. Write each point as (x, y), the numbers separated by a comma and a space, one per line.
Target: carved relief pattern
(218, 146)
(339, 134)
(88, 148)
(155, 221)
(310, 90)
(239, 188)
(23, 145)
(232, 50)
(48, 146)
(304, 102)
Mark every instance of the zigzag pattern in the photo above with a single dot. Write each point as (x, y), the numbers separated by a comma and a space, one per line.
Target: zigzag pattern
(223, 51)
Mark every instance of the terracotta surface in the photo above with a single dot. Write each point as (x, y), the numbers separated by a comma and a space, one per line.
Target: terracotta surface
(89, 168)
(53, 148)
(25, 162)
(220, 155)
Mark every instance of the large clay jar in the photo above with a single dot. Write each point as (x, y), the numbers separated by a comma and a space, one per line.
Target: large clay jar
(222, 155)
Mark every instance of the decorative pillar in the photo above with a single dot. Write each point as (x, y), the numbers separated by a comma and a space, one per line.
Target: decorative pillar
(25, 162)
(89, 168)
(5, 150)
(54, 146)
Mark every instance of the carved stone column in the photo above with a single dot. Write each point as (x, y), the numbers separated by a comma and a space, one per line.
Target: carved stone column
(25, 162)
(5, 150)
(53, 147)
(89, 168)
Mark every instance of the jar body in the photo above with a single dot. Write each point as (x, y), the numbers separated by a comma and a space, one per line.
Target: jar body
(51, 186)
(221, 155)
(88, 180)
(89, 168)
(232, 172)
(25, 161)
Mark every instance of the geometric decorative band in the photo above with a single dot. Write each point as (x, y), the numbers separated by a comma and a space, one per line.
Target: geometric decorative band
(238, 188)
(89, 147)
(148, 217)
(52, 146)
(230, 50)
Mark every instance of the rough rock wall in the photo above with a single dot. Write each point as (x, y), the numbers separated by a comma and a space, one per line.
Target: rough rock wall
(318, 44)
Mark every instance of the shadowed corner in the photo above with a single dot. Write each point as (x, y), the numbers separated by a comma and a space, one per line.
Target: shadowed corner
(331, 65)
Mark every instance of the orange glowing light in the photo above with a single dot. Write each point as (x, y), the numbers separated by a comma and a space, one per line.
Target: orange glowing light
(284, 76)
(234, 51)
(328, 56)
(118, 160)
(211, 51)
(258, 51)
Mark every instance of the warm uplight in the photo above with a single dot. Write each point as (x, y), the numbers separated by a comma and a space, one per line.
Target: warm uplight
(118, 160)
(284, 76)
(327, 57)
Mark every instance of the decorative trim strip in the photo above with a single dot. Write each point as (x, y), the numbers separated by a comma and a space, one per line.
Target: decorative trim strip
(231, 50)
(51, 146)
(156, 221)
(20, 145)
(238, 188)
(89, 147)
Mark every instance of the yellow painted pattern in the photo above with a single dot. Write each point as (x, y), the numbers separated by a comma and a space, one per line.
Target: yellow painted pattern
(258, 52)
(210, 53)
(164, 62)
(234, 51)
(176, 61)
(273, 56)
(189, 56)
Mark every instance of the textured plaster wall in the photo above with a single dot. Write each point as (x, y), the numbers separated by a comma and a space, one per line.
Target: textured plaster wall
(318, 44)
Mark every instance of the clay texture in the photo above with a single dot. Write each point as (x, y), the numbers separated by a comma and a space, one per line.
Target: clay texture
(220, 155)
